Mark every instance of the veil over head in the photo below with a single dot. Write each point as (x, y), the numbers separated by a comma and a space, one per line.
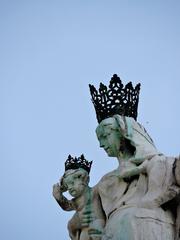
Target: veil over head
(138, 138)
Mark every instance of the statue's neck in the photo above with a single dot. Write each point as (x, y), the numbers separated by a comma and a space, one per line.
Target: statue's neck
(126, 165)
(126, 150)
(124, 162)
(124, 156)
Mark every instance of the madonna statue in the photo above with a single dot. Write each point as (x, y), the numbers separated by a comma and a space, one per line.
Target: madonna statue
(140, 197)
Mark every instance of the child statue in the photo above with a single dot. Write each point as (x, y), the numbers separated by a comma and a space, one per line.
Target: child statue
(88, 221)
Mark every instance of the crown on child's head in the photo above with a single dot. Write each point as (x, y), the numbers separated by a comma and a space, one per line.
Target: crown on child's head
(75, 163)
(118, 99)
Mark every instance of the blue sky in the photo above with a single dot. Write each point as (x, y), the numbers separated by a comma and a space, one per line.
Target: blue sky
(50, 52)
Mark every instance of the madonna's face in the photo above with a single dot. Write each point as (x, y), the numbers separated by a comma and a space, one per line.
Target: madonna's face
(108, 134)
(76, 181)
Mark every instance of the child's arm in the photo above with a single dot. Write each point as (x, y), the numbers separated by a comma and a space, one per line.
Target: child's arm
(63, 202)
(134, 171)
(130, 172)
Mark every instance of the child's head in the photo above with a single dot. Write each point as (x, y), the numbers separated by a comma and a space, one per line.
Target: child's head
(76, 181)
(76, 176)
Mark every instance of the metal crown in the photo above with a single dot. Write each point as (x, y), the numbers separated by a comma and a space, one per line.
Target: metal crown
(75, 163)
(118, 99)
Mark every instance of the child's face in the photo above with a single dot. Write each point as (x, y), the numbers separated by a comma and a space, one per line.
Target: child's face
(75, 182)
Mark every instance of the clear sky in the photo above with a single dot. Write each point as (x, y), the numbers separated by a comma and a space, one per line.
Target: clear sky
(49, 52)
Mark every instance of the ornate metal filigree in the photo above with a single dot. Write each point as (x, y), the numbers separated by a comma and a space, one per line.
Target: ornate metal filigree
(75, 163)
(118, 99)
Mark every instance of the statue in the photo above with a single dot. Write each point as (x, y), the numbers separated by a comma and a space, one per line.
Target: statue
(140, 200)
(177, 199)
(88, 221)
(136, 197)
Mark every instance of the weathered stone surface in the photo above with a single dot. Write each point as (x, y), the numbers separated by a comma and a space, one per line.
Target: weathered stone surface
(137, 201)
(133, 195)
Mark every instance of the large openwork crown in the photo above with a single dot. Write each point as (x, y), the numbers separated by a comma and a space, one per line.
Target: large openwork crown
(118, 99)
(75, 163)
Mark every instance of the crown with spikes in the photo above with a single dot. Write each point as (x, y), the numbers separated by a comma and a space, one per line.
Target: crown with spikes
(118, 99)
(75, 163)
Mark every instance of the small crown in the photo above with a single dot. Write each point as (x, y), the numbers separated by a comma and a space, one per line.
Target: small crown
(75, 163)
(119, 99)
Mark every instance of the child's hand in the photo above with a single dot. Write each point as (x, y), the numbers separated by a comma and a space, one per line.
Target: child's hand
(63, 187)
(56, 191)
(86, 218)
(95, 237)
(94, 234)
(96, 229)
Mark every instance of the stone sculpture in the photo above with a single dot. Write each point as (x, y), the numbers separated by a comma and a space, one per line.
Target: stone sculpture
(88, 221)
(133, 195)
(137, 197)
(140, 200)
